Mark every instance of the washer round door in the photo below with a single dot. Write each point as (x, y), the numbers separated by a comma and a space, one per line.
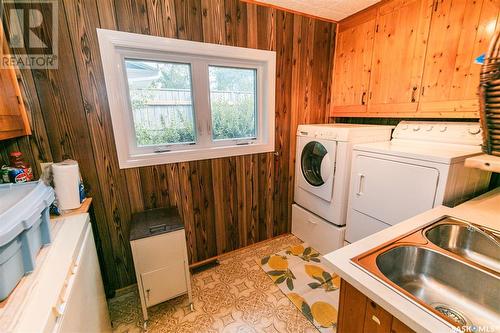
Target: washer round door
(315, 166)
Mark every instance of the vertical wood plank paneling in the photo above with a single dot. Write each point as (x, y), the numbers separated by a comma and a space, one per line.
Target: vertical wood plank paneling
(39, 142)
(225, 203)
(203, 198)
(283, 111)
(266, 40)
(303, 40)
(155, 19)
(154, 186)
(187, 209)
(320, 72)
(134, 190)
(213, 21)
(82, 18)
(65, 119)
(188, 19)
(132, 16)
(169, 19)
(107, 14)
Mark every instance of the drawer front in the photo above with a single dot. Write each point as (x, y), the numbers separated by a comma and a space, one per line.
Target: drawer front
(318, 233)
(360, 226)
(165, 283)
(153, 253)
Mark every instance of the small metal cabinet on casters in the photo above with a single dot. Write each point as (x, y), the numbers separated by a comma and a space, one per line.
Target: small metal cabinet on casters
(158, 243)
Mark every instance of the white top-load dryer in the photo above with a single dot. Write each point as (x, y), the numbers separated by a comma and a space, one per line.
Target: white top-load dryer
(420, 168)
(323, 160)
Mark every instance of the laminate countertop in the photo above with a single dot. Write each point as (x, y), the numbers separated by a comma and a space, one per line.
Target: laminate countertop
(483, 210)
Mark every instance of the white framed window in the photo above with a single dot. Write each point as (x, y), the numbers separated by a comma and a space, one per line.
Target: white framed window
(174, 100)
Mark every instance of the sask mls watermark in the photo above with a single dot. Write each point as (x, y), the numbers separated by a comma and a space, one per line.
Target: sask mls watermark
(31, 33)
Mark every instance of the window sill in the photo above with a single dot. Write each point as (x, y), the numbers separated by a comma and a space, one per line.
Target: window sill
(196, 154)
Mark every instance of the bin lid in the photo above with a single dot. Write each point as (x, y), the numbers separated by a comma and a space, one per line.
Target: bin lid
(154, 222)
(21, 205)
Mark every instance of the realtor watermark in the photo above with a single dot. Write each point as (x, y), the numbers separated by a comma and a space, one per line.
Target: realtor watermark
(31, 33)
(475, 329)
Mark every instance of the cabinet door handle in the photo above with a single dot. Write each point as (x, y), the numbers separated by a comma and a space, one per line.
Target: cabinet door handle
(363, 98)
(436, 5)
(414, 94)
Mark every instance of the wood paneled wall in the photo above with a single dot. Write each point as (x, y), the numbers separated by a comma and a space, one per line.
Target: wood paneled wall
(226, 203)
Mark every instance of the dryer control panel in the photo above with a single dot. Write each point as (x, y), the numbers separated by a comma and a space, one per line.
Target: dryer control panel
(466, 133)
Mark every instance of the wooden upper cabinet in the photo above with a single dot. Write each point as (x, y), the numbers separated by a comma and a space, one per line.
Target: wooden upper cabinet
(353, 62)
(13, 117)
(420, 61)
(460, 32)
(399, 49)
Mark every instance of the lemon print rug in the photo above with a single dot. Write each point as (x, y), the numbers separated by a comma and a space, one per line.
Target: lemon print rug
(308, 281)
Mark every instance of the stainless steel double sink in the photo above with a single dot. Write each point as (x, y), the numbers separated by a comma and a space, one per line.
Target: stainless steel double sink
(451, 268)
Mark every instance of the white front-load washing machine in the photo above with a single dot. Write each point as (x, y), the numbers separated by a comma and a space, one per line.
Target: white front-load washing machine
(323, 160)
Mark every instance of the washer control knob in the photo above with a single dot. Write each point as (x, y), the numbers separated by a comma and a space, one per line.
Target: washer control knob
(416, 128)
(404, 127)
(443, 128)
(474, 130)
(429, 128)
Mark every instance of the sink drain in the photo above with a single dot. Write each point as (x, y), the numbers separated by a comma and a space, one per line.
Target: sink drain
(451, 313)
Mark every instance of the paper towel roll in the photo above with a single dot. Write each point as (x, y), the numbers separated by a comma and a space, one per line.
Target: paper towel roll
(66, 184)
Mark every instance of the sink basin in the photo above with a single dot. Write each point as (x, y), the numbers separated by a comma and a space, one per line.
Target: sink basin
(459, 292)
(465, 241)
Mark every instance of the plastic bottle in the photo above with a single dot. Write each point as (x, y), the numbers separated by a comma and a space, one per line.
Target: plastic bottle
(21, 171)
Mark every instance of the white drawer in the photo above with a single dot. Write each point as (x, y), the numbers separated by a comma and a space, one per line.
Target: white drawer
(318, 233)
(165, 283)
(360, 226)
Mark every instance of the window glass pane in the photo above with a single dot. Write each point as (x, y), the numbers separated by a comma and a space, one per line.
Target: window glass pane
(233, 102)
(161, 101)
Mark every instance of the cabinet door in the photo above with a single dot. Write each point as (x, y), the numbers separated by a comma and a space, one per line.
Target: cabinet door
(377, 320)
(358, 314)
(164, 283)
(352, 64)
(398, 55)
(13, 117)
(461, 30)
(399, 327)
(352, 308)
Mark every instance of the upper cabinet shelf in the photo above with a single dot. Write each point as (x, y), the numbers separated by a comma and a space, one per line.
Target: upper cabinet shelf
(13, 117)
(412, 58)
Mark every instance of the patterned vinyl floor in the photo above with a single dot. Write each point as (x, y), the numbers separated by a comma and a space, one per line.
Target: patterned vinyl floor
(235, 296)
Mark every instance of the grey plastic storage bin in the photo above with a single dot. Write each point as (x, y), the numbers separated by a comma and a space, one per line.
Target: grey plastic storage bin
(24, 229)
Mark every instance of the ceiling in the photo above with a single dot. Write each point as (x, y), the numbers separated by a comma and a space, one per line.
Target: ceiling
(335, 10)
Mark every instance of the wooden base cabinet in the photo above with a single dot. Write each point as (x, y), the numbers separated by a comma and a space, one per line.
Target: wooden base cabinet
(359, 314)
